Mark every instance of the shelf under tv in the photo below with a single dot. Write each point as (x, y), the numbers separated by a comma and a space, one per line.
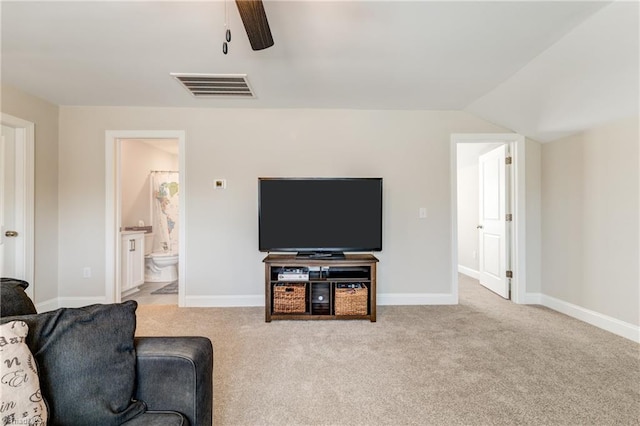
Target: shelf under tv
(337, 288)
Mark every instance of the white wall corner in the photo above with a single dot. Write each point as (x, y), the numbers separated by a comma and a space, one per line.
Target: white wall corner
(613, 325)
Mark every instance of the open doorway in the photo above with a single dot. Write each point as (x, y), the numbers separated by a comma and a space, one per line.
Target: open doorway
(516, 237)
(150, 226)
(484, 246)
(145, 229)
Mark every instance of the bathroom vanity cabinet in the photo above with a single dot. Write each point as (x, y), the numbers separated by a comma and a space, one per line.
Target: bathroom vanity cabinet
(132, 264)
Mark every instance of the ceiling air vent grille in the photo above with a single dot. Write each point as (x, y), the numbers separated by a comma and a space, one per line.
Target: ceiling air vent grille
(216, 85)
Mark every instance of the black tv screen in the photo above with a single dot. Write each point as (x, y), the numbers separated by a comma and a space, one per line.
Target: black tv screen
(320, 215)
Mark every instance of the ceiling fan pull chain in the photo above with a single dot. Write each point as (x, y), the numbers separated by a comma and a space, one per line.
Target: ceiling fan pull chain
(227, 36)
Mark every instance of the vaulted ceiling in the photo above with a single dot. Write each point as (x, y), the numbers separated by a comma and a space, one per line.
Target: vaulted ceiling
(543, 69)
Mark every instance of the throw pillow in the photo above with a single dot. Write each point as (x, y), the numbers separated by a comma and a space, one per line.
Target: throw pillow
(87, 360)
(13, 299)
(20, 389)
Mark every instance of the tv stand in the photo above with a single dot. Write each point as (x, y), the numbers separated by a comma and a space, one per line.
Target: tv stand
(320, 288)
(320, 255)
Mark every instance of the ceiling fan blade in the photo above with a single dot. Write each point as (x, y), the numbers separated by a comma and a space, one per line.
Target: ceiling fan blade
(255, 23)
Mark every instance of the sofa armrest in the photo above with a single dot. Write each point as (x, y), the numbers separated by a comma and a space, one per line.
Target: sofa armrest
(176, 374)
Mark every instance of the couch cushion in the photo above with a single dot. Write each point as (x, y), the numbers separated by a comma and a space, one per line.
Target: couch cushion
(13, 299)
(19, 389)
(87, 362)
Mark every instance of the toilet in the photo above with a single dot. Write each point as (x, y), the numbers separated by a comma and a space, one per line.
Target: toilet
(161, 267)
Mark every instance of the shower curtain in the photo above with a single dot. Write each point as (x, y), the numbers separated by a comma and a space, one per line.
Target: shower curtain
(164, 204)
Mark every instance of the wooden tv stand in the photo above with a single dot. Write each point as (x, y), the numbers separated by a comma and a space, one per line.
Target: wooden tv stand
(325, 277)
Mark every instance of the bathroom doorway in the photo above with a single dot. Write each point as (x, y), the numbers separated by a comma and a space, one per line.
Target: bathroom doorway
(150, 194)
(145, 217)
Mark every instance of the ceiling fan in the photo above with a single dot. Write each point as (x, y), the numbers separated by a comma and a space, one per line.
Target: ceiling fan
(255, 23)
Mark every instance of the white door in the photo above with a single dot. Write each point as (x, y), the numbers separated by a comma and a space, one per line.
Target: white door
(492, 226)
(16, 200)
(9, 234)
(4, 211)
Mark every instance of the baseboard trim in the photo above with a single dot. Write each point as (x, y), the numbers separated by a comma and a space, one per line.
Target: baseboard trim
(47, 305)
(68, 302)
(469, 272)
(223, 301)
(258, 300)
(416, 299)
(532, 299)
(605, 322)
(78, 302)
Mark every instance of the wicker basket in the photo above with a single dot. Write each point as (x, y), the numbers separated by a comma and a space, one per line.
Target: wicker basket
(289, 298)
(351, 299)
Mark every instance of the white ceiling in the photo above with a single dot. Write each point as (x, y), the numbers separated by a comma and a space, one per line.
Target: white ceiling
(543, 69)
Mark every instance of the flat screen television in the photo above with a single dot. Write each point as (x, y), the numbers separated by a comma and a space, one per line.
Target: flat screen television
(320, 217)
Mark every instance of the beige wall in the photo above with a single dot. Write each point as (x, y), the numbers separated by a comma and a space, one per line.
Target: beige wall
(45, 118)
(590, 226)
(410, 150)
(533, 178)
(587, 234)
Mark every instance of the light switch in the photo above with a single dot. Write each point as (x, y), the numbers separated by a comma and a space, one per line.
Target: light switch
(422, 213)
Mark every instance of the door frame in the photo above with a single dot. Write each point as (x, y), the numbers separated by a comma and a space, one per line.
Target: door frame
(25, 192)
(518, 191)
(113, 214)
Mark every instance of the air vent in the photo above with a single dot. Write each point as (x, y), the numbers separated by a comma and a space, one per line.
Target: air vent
(216, 85)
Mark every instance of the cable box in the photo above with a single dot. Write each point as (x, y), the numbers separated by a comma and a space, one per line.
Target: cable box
(293, 274)
(293, 277)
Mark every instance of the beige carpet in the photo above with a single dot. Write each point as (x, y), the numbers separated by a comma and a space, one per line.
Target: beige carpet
(486, 361)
